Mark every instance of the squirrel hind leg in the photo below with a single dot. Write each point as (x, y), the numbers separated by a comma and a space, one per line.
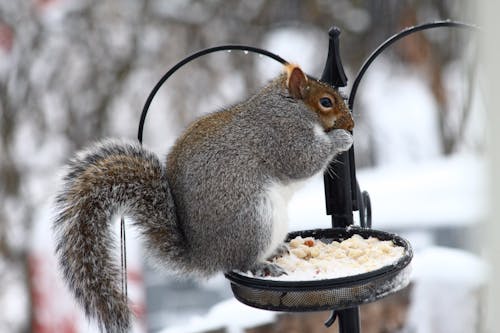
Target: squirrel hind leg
(280, 251)
(263, 269)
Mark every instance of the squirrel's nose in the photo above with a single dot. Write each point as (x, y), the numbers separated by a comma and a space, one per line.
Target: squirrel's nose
(345, 122)
(350, 123)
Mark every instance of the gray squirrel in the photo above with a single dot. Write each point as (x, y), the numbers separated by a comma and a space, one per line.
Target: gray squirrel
(218, 203)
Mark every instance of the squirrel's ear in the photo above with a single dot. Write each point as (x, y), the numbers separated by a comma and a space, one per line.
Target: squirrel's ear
(296, 81)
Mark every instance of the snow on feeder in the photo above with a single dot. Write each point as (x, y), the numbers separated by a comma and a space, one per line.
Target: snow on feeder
(343, 293)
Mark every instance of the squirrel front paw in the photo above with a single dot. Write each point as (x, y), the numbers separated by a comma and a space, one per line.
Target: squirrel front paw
(342, 139)
(263, 269)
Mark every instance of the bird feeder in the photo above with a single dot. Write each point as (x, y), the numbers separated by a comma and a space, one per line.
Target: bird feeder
(343, 197)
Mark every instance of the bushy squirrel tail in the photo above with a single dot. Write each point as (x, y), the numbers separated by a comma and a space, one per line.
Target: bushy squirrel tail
(112, 177)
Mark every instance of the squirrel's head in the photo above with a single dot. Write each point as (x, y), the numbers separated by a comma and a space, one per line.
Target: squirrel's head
(321, 98)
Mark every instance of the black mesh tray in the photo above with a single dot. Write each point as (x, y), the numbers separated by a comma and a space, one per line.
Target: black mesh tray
(326, 294)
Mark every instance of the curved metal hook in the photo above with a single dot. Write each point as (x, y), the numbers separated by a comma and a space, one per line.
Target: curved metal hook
(395, 38)
(190, 58)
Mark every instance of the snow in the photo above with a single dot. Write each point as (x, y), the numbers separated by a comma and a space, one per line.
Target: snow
(445, 191)
(14, 300)
(310, 41)
(461, 266)
(446, 292)
(230, 314)
(357, 19)
(402, 113)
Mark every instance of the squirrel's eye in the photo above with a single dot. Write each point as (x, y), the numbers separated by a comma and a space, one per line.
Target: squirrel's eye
(325, 102)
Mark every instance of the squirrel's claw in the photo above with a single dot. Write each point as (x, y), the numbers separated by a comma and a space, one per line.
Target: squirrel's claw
(264, 269)
(280, 251)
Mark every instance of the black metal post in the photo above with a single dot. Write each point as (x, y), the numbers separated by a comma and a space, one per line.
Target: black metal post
(339, 186)
(349, 320)
(338, 191)
(340, 181)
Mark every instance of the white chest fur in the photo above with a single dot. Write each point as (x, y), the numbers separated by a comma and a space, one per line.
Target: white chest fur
(276, 210)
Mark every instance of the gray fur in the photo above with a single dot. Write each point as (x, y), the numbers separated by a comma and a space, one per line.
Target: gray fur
(206, 211)
(83, 225)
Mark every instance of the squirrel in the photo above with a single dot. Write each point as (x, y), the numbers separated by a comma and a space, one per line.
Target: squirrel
(217, 204)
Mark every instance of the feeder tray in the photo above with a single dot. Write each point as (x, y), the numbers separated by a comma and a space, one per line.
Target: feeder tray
(326, 294)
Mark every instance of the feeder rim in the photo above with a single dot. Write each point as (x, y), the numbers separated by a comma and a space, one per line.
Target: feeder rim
(386, 272)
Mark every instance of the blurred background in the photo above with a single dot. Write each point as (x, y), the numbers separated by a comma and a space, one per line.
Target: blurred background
(76, 71)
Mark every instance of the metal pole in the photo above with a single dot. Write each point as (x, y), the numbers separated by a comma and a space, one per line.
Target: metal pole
(349, 320)
(340, 178)
(338, 183)
(338, 191)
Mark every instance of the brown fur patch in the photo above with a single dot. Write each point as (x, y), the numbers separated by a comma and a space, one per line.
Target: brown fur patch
(311, 92)
(337, 117)
(200, 131)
